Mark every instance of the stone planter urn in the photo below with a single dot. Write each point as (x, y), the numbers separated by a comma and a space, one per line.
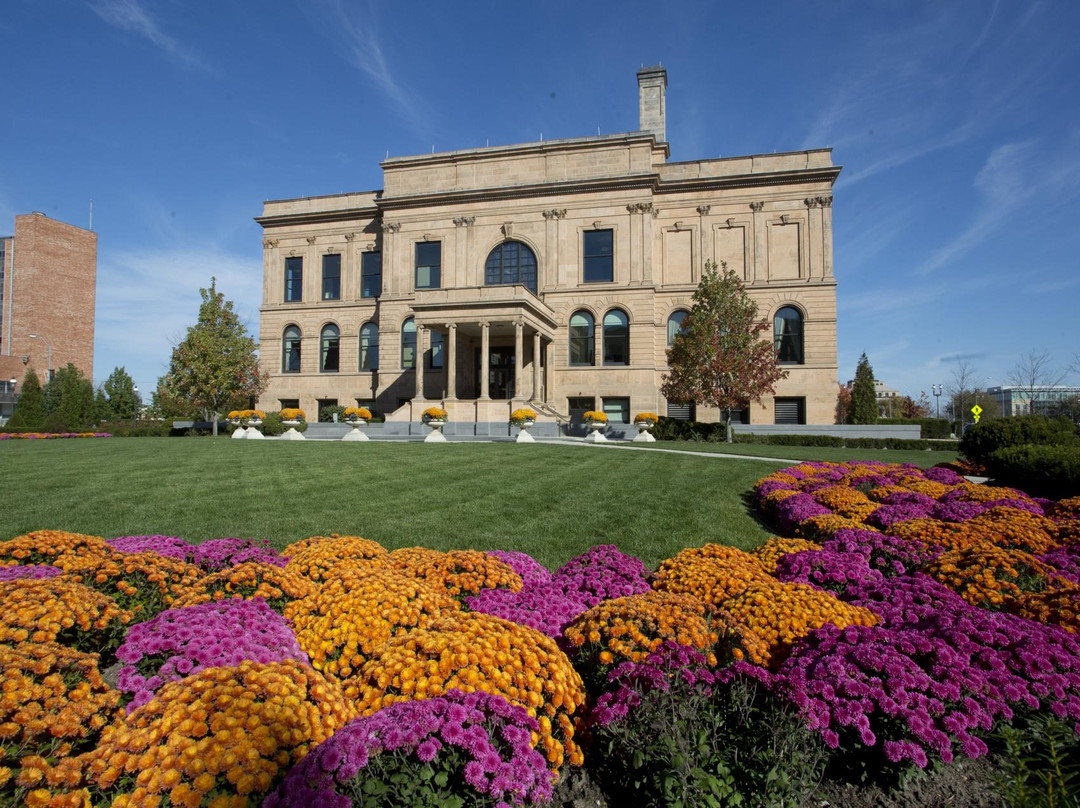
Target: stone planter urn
(643, 434)
(240, 432)
(596, 432)
(355, 433)
(291, 433)
(253, 432)
(523, 435)
(436, 435)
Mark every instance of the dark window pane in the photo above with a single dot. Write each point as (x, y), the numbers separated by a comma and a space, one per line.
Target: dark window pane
(408, 344)
(328, 360)
(370, 274)
(788, 336)
(675, 325)
(617, 410)
(511, 262)
(369, 347)
(437, 344)
(294, 279)
(616, 338)
(290, 350)
(428, 264)
(331, 277)
(598, 256)
(581, 339)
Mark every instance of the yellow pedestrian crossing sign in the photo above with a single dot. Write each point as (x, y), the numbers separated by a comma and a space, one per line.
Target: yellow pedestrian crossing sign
(976, 411)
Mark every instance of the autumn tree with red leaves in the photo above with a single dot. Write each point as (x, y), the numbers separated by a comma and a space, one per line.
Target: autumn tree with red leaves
(720, 357)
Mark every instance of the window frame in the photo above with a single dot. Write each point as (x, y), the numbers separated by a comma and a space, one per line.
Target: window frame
(594, 257)
(438, 341)
(408, 340)
(582, 341)
(608, 404)
(368, 276)
(294, 279)
(523, 250)
(286, 350)
(794, 342)
(611, 341)
(329, 346)
(434, 271)
(670, 320)
(370, 349)
(328, 260)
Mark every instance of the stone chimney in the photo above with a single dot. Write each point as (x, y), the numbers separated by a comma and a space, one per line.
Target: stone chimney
(652, 103)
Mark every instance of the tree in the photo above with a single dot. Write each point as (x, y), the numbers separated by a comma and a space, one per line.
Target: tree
(863, 394)
(30, 409)
(915, 408)
(963, 377)
(1067, 408)
(843, 403)
(719, 357)
(119, 388)
(216, 366)
(1031, 373)
(69, 400)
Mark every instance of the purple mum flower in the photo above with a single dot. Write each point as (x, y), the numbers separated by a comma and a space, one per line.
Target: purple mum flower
(168, 546)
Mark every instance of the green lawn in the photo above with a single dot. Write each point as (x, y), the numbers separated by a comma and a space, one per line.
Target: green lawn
(551, 501)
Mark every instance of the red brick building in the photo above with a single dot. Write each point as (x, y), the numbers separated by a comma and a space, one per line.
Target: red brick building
(48, 278)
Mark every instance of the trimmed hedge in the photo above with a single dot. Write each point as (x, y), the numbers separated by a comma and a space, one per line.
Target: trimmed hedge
(677, 429)
(140, 429)
(1042, 471)
(983, 439)
(930, 427)
(846, 443)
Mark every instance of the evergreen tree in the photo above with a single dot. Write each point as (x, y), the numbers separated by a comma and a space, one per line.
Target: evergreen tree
(216, 366)
(30, 409)
(69, 400)
(863, 395)
(119, 388)
(720, 357)
(102, 410)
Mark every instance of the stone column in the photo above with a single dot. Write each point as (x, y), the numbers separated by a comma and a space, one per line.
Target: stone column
(519, 356)
(550, 367)
(451, 360)
(759, 270)
(485, 348)
(536, 366)
(391, 284)
(419, 363)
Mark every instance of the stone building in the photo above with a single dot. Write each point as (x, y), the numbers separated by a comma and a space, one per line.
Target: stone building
(552, 274)
(48, 281)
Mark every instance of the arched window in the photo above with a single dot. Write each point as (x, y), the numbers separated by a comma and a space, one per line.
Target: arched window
(438, 343)
(290, 350)
(788, 336)
(616, 338)
(582, 343)
(408, 344)
(329, 354)
(511, 262)
(675, 325)
(369, 347)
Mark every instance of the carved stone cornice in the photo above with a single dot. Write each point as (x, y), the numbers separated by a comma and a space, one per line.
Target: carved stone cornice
(269, 242)
(310, 239)
(641, 207)
(390, 227)
(464, 221)
(825, 201)
(757, 207)
(818, 201)
(350, 236)
(703, 210)
(554, 213)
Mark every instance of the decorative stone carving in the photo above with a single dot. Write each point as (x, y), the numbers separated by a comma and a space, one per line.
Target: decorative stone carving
(554, 213)
(825, 201)
(464, 221)
(391, 227)
(508, 229)
(730, 223)
(269, 242)
(703, 210)
(785, 219)
(757, 207)
(350, 236)
(310, 239)
(818, 201)
(641, 207)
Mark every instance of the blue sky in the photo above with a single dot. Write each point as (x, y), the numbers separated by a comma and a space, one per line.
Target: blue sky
(958, 125)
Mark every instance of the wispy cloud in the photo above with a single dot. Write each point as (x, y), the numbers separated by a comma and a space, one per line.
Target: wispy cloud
(147, 298)
(133, 16)
(354, 26)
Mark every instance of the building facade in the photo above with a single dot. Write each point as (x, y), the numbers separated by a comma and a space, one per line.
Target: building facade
(552, 274)
(48, 283)
(1038, 400)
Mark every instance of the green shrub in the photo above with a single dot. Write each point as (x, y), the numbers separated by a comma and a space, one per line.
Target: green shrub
(1041, 754)
(929, 427)
(677, 429)
(327, 413)
(139, 429)
(1042, 471)
(983, 439)
(845, 443)
(272, 426)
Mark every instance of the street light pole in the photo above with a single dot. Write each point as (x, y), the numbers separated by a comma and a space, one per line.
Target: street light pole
(937, 399)
(48, 345)
(135, 406)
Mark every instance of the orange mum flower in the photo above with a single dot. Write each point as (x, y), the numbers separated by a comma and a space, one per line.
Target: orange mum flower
(458, 572)
(277, 586)
(775, 548)
(317, 558)
(61, 611)
(991, 577)
(142, 583)
(712, 573)
(1059, 607)
(56, 547)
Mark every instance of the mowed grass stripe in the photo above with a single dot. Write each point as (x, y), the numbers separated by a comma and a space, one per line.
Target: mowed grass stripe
(551, 501)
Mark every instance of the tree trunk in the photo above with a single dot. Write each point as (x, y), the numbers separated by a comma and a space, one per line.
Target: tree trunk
(213, 421)
(727, 424)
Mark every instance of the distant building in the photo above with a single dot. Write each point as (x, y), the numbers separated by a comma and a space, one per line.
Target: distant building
(1031, 400)
(552, 274)
(48, 280)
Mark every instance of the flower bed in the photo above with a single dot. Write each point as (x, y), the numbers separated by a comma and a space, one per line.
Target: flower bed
(925, 615)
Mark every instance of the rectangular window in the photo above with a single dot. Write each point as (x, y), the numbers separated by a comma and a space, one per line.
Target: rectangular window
(789, 410)
(578, 407)
(370, 274)
(289, 403)
(294, 279)
(617, 410)
(331, 276)
(438, 345)
(681, 412)
(598, 253)
(428, 264)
